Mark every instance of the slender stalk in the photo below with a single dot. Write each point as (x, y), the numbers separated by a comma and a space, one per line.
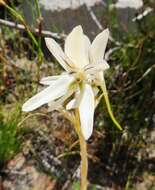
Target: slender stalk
(39, 20)
(83, 153)
(32, 37)
(106, 98)
(21, 19)
(38, 8)
(75, 120)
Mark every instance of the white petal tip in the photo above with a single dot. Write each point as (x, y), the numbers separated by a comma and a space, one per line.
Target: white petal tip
(106, 65)
(25, 108)
(71, 105)
(106, 31)
(87, 136)
(47, 40)
(28, 106)
(79, 27)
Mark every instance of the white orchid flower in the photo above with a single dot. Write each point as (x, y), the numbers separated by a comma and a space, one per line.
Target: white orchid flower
(84, 65)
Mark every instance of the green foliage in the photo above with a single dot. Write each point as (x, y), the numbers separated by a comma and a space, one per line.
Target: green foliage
(76, 185)
(130, 84)
(93, 187)
(9, 135)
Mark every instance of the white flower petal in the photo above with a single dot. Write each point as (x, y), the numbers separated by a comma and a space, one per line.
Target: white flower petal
(86, 111)
(87, 45)
(74, 103)
(95, 68)
(71, 105)
(96, 91)
(54, 105)
(49, 80)
(76, 45)
(98, 46)
(57, 52)
(105, 65)
(57, 89)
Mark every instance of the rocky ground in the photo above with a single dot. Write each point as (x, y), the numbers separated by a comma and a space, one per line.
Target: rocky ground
(43, 165)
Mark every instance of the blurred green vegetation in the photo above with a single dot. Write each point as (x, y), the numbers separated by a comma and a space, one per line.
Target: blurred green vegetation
(9, 134)
(131, 89)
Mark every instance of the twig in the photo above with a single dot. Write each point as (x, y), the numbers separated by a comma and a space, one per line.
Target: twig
(104, 3)
(94, 18)
(29, 116)
(141, 78)
(21, 27)
(70, 179)
(109, 52)
(68, 154)
(147, 11)
(99, 25)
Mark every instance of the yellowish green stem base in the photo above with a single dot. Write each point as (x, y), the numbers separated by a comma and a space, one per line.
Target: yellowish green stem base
(83, 153)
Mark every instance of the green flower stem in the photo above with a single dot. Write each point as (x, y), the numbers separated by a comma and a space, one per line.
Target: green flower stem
(30, 34)
(39, 20)
(21, 19)
(106, 98)
(38, 8)
(83, 153)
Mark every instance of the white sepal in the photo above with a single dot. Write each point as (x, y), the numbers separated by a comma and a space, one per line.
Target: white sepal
(57, 89)
(76, 46)
(86, 111)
